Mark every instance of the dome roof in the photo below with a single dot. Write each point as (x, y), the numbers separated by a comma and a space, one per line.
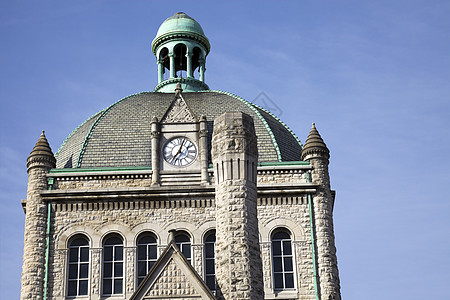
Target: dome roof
(120, 135)
(180, 25)
(179, 22)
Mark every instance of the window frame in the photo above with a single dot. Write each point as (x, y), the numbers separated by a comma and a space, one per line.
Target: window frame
(113, 263)
(282, 257)
(207, 258)
(149, 262)
(78, 263)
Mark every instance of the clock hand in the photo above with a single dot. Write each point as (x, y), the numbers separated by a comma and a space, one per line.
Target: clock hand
(179, 150)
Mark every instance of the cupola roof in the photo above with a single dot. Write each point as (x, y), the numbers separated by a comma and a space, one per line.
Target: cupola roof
(182, 26)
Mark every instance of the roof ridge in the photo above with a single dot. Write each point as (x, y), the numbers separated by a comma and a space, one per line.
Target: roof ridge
(279, 120)
(272, 136)
(73, 131)
(103, 113)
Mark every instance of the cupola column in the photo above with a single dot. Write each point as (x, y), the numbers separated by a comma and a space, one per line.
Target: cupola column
(172, 65)
(160, 70)
(189, 64)
(202, 70)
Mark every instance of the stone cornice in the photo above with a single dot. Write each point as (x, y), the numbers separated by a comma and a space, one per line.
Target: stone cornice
(169, 192)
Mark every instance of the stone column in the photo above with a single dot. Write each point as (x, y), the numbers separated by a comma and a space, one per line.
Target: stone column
(316, 152)
(39, 162)
(203, 141)
(96, 279)
(238, 258)
(130, 271)
(156, 133)
(172, 65)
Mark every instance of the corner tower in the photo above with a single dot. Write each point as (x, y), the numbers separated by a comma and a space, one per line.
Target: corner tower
(316, 152)
(40, 161)
(181, 45)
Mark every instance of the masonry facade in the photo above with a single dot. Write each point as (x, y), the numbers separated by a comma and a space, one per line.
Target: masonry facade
(180, 193)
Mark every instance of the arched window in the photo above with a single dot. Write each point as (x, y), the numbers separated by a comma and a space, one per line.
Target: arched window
(78, 279)
(183, 241)
(147, 253)
(282, 263)
(210, 260)
(113, 265)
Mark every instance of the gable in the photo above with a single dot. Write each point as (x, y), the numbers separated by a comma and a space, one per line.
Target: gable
(178, 112)
(172, 277)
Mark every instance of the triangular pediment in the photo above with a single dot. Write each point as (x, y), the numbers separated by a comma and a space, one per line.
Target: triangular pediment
(172, 277)
(179, 112)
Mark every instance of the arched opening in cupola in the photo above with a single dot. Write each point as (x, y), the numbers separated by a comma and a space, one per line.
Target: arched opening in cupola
(180, 59)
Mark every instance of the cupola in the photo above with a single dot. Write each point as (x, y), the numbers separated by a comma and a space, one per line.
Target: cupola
(181, 47)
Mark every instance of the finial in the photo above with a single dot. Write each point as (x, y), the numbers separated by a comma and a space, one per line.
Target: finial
(178, 88)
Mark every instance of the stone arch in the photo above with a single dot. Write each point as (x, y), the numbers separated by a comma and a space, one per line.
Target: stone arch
(123, 231)
(154, 228)
(63, 237)
(185, 226)
(204, 229)
(266, 230)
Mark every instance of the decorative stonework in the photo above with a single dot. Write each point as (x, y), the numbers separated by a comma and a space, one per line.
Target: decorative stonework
(179, 112)
(172, 282)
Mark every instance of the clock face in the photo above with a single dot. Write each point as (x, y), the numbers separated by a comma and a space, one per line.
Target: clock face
(180, 152)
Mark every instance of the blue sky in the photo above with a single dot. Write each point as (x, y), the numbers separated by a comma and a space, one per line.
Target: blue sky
(373, 75)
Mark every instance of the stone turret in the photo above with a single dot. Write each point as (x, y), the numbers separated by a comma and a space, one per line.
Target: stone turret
(316, 152)
(238, 259)
(39, 162)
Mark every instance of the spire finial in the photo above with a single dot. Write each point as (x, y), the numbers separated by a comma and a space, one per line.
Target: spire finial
(42, 153)
(178, 88)
(314, 144)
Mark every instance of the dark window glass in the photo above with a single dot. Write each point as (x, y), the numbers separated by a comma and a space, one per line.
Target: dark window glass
(84, 270)
(72, 288)
(73, 271)
(147, 249)
(282, 260)
(83, 287)
(112, 265)
(84, 254)
(78, 267)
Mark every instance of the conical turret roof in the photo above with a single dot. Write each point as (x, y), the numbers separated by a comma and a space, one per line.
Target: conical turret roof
(315, 144)
(42, 149)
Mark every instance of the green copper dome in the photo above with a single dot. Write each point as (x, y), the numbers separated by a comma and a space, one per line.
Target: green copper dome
(180, 25)
(180, 22)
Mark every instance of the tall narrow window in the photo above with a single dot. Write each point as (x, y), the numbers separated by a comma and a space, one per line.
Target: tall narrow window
(113, 265)
(183, 241)
(210, 260)
(147, 253)
(282, 264)
(78, 279)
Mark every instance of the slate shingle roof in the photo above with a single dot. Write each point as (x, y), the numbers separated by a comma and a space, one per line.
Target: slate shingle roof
(119, 136)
